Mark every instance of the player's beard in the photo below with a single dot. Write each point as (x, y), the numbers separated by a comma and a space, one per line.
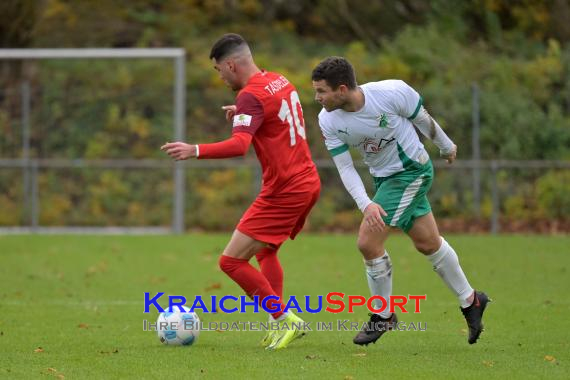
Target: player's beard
(231, 85)
(333, 107)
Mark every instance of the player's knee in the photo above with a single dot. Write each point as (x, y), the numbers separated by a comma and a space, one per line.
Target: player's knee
(427, 247)
(368, 249)
(227, 264)
(222, 263)
(265, 253)
(361, 244)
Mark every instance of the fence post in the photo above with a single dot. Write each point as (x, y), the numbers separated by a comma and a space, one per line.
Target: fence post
(35, 194)
(180, 135)
(496, 212)
(27, 215)
(476, 148)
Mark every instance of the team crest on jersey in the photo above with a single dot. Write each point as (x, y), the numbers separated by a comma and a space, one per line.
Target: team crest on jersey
(242, 120)
(382, 121)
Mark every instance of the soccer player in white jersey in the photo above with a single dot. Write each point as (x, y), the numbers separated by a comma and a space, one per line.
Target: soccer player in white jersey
(377, 119)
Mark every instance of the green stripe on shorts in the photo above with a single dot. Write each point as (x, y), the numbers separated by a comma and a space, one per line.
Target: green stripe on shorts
(404, 195)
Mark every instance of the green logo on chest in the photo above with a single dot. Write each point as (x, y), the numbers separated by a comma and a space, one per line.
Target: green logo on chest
(382, 121)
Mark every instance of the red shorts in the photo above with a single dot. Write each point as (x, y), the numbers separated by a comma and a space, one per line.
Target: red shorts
(274, 219)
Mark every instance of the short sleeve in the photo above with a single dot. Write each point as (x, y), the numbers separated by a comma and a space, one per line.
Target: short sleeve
(249, 114)
(334, 144)
(406, 101)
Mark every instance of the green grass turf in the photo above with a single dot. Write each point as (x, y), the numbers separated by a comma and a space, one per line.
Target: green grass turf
(80, 298)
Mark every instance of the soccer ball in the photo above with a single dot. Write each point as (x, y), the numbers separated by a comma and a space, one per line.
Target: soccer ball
(177, 328)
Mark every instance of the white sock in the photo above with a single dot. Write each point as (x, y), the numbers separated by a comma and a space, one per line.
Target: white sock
(379, 276)
(446, 263)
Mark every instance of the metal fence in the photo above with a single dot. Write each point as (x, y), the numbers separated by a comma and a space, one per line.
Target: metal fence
(460, 170)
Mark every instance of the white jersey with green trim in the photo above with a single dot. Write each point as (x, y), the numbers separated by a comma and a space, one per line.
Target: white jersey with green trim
(378, 128)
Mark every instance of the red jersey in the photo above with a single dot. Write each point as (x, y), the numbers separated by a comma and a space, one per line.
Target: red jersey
(268, 108)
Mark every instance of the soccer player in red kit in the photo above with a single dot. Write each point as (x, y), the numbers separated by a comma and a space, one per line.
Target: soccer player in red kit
(267, 113)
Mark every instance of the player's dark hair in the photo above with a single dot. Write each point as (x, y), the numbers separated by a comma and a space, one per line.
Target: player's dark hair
(226, 45)
(335, 71)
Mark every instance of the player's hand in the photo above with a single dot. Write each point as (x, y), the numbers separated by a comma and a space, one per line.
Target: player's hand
(449, 156)
(373, 217)
(179, 150)
(230, 112)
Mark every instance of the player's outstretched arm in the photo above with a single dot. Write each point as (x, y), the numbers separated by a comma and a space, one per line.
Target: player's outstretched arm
(179, 150)
(235, 146)
(431, 129)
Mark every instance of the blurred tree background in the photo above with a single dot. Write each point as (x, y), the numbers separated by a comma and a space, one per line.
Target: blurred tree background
(517, 51)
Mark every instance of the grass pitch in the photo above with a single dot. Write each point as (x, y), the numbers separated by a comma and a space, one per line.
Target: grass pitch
(72, 307)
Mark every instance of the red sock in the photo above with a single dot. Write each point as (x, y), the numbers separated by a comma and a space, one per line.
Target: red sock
(250, 280)
(271, 268)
